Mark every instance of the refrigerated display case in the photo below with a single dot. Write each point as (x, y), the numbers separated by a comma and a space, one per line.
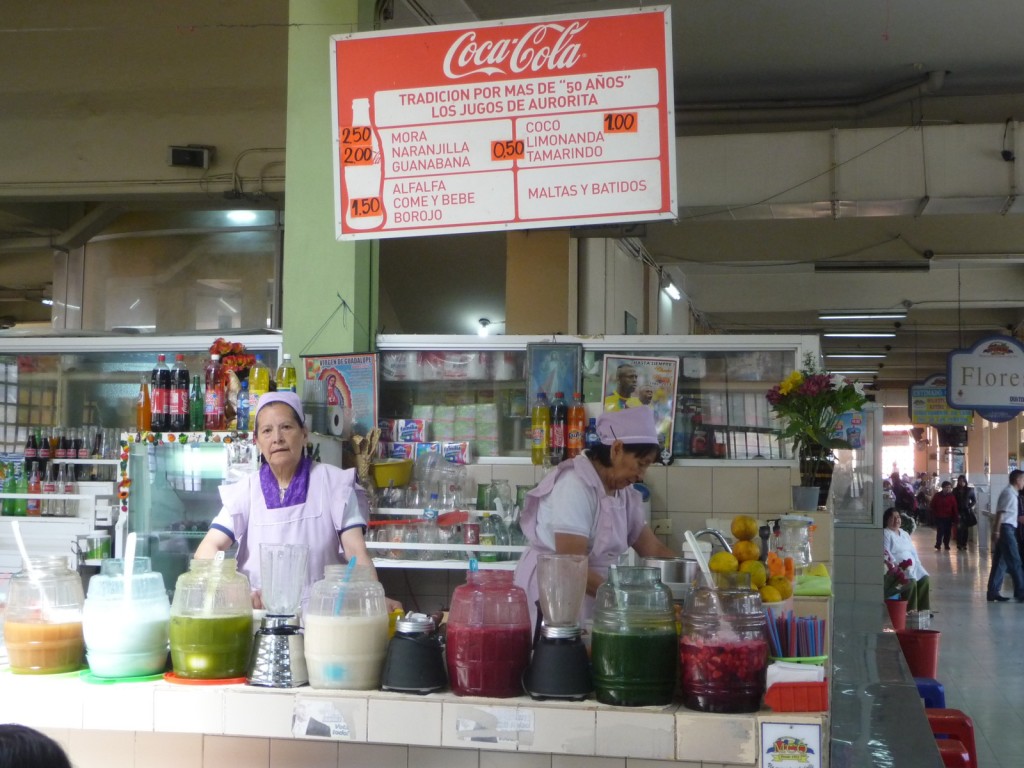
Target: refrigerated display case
(721, 384)
(855, 492)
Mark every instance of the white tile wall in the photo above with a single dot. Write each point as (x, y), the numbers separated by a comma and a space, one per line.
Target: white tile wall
(405, 721)
(102, 749)
(189, 708)
(431, 757)
(168, 750)
(258, 712)
(220, 751)
(571, 761)
(286, 753)
(564, 730)
(713, 738)
(374, 756)
(734, 491)
(514, 760)
(644, 734)
(133, 704)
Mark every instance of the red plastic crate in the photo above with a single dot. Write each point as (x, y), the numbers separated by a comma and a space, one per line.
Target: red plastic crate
(798, 697)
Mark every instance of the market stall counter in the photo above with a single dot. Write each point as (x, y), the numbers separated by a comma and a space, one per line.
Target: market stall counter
(145, 724)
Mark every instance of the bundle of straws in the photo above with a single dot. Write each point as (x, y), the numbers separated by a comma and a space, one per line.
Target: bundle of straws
(792, 637)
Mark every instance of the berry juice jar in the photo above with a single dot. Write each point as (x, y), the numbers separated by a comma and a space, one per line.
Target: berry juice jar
(634, 644)
(724, 650)
(488, 636)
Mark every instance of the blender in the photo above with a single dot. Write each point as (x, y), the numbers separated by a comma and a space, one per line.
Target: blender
(560, 667)
(278, 658)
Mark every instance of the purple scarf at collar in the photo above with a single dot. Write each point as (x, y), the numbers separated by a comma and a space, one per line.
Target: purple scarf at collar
(297, 488)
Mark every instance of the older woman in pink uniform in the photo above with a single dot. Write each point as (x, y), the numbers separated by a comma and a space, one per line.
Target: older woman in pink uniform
(291, 500)
(588, 505)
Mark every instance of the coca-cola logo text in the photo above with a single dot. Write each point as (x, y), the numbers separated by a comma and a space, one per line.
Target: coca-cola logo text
(538, 49)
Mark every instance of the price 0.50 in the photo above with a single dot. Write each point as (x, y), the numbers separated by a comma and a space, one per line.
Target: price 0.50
(511, 149)
(619, 122)
(364, 206)
(357, 155)
(355, 135)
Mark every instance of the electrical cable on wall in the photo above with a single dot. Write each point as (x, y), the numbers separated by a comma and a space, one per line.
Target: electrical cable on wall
(342, 306)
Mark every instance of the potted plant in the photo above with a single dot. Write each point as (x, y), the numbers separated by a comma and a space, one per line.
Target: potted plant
(808, 403)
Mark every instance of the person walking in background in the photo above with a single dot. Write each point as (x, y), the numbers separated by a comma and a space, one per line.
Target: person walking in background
(1006, 555)
(904, 495)
(944, 512)
(967, 517)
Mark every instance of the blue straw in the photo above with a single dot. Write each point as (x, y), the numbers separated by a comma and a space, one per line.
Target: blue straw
(340, 597)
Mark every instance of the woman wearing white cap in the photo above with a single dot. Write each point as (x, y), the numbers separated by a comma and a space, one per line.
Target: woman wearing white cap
(588, 506)
(291, 500)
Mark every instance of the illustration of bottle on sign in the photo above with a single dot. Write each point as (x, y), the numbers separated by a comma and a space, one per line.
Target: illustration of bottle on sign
(360, 156)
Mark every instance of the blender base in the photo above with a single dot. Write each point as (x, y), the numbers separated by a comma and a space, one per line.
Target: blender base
(278, 659)
(559, 669)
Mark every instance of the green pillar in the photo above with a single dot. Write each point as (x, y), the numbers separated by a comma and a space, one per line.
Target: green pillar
(317, 268)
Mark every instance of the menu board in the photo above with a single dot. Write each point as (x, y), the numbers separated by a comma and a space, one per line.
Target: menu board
(525, 123)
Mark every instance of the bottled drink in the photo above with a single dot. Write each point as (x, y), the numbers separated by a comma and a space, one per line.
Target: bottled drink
(429, 531)
(699, 436)
(66, 483)
(178, 407)
(31, 449)
(540, 422)
(590, 439)
(213, 409)
(143, 408)
(44, 451)
(160, 395)
(9, 487)
(559, 427)
(363, 170)
(49, 487)
(259, 384)
(196, 405)
(577, 426)
(681, 429)
(54, 442)
(242, 412)
(64, 444)
(34, 507)
(286, 377)
(20, 486)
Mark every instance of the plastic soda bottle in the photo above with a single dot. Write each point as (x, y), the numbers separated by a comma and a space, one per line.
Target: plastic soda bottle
(577, 426)
(286, 377)
(559, 428)
(34, 507)
(143, 408)
(540, 423)
(9, 485)
(242, 412)
(213, 403)
(50, 487)
(177, 418)
(590, 438)
(20, 486)
(259, 384)
(196, 405)
(160, 395)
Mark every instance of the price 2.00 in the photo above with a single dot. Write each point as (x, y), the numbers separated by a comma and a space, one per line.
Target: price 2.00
(620, 122)
(510, 149)
(357, 155)
(354, 135)
(364, 206)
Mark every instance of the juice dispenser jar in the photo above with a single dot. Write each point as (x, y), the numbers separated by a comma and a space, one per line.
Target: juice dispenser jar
(346, 627)
(43, 620)
(488, 636)
(724, 650)
(634, 645)
(211, 621)
(126, 626)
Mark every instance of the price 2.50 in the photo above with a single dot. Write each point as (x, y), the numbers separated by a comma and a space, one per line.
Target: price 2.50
(355, 135)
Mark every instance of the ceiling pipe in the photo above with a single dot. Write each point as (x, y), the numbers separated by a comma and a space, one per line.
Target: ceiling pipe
(803, 111)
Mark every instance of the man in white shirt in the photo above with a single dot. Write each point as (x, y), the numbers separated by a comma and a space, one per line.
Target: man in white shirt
(1006, 556)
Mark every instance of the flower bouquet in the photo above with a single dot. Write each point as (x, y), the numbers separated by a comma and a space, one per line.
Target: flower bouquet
(896, 577)
(809, 403)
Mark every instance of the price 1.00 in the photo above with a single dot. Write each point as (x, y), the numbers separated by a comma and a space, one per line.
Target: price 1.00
(619, 122)
(364, 206)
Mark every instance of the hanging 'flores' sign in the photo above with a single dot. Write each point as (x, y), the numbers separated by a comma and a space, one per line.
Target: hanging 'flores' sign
(987, 378)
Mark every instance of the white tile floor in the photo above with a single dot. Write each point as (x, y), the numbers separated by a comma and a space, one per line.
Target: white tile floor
(980, 662)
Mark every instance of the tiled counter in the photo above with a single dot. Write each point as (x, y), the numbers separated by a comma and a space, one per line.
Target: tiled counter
(151, 725)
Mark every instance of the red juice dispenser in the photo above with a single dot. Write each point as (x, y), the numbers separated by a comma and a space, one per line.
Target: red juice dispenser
(488, 636)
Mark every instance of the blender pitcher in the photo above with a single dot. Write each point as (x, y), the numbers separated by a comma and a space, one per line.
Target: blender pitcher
(278, 658)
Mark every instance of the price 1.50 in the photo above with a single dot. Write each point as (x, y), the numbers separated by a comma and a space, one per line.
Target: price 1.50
(619, 122)
(365, 206)
(510, 149)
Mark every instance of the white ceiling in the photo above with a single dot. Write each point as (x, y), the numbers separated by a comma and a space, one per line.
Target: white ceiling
(740, 66)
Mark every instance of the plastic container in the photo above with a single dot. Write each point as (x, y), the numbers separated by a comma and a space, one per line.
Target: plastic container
(634, 643)
(488, 636)
(126, 637)
(211, 621)
(346, 629)
(920, 648)
(897, 613)
(724, 650)
(798, 697)
(43, 620)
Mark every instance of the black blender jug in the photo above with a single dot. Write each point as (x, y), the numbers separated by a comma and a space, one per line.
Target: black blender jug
(560, 667)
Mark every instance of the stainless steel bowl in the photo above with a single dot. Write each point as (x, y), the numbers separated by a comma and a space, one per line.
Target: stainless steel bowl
(674, 570)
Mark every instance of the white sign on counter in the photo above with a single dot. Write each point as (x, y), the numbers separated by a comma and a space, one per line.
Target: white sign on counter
(553, 121)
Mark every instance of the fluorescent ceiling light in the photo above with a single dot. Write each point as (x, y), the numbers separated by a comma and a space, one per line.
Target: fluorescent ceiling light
(872, 266)
(863, 315)
(859, 335)
(855, 356)
(672, 292)
(241, 217)
(47, 302)
(854, 373)
(230, 309)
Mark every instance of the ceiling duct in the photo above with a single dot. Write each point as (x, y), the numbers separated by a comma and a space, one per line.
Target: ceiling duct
(872, 266)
